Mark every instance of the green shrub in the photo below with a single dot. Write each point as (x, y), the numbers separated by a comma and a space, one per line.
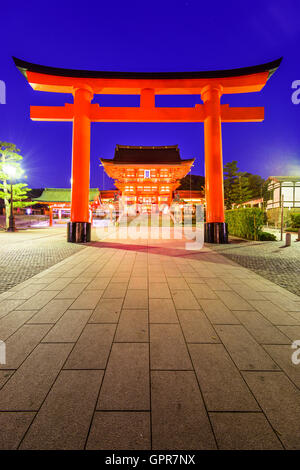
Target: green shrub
(267, 237)
(246, 222)
(295, 219)
(291, 229)
(274, 216)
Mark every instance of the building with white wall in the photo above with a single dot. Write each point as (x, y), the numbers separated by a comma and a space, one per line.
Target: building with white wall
(286, 187)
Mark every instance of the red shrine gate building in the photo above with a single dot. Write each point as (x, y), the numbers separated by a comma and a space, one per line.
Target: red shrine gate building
(210, 85)
(147, 176)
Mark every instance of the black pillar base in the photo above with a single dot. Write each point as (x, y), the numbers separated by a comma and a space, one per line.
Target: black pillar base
(215, 232)
(79, 232)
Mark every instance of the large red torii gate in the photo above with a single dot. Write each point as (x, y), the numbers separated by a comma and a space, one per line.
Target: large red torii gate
(83, 84)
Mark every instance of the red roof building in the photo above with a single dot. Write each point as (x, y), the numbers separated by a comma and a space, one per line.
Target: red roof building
(147, 175)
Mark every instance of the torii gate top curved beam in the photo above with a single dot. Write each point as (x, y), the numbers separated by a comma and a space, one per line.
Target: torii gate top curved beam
(240, 80)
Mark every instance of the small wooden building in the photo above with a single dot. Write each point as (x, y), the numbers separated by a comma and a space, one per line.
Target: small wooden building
(57, 201)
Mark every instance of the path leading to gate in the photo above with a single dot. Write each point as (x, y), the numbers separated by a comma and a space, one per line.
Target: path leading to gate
(140, 345)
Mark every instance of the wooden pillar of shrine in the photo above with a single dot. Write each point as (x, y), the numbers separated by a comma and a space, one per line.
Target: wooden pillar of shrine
(50, 216)
(215, 227)
(79, 228)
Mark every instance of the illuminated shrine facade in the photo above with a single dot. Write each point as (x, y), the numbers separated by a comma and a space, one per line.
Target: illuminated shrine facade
(147, 176)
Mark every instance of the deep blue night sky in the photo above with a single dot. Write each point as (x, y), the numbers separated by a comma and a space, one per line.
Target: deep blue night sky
(150, 36)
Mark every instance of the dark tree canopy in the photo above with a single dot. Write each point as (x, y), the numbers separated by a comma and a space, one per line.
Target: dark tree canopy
(193, 182)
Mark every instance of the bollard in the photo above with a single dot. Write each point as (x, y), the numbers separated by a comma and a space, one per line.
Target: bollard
(288, 239)
(2, 353)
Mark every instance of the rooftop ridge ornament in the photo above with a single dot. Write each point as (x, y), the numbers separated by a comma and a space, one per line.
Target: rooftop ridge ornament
(210, 85)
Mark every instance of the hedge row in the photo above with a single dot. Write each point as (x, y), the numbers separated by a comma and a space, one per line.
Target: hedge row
(245, 223)
(289, 216)
(295, 220)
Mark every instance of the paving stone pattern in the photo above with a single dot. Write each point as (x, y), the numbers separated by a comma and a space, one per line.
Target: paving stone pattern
(148, 346)
(271, 260)
(26, 253)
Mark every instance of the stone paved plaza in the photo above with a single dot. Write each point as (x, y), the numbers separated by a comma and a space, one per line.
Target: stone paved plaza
(272, 260)
(28, 252)
(144, 345)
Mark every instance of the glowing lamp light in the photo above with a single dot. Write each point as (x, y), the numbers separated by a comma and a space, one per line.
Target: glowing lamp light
(10, 170)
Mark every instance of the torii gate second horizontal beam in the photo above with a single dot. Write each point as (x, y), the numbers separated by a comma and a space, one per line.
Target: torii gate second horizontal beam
(140, 114)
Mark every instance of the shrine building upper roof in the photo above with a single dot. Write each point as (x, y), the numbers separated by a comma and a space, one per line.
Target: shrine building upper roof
(129, 154)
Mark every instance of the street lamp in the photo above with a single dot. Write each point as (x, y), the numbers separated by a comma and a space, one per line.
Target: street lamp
(11, 172)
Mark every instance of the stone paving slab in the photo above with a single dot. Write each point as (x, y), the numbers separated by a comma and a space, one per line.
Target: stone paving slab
(162, 311)
(29, 385)
(136, 298)
(244, 291)
(63, 421)
(243, 349)
(13, 426)
(138, 282)
(196, 327)
(115, 290)
(12, 322)
(176, 283)
(233, 300)
(179, 419)
(292, 332)
(38, 300)
(221, 383)
(4, 376)
(260, 328)
(107, 311)
(159, 290)
(145, 345)
(244, 431)
(184, 300)
(133, 327)
(274, 313)
(280, 401)
(22, 343)
(281, 354)
(92, 348)
(69, 327)
(27, 291)
(120, 430)
(167, 348)
(72, 290)
(87, 300)
(126, 380)
(282, 301)
(58, 284)
(99, 283)
(52, 312)
(202, 291)
(217, 312)
(8, 305)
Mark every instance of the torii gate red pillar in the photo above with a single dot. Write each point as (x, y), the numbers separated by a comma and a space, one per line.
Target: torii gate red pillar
(215, 218)
(79, 227)
(210, 85)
